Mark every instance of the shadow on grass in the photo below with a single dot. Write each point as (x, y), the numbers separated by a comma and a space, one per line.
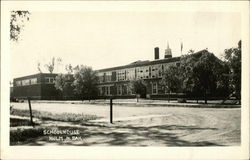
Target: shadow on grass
(15, 122)
(128, 135)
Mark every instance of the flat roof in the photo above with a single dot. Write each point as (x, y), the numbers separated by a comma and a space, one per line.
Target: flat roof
(35, 75)
(141, 63)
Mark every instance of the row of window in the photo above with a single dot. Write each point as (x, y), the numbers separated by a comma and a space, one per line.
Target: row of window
(31, 81)
(145, 72)
(26, 82)
(123, 90)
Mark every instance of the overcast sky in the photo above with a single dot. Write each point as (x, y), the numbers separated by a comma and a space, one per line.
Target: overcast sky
(108, 39)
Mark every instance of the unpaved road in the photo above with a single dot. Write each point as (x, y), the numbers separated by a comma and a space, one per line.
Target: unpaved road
(146, 126)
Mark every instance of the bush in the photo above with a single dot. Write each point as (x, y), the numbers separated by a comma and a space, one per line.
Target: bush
(19, 135)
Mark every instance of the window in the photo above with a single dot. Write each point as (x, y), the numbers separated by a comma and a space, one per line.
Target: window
(119, 90)
(100, 77)
(108, 77)
(121, 75)
(107, 90)
(154, 88)
(125, 89)
(130, 74)
(154, 71)
(100, 91)
(142, 72)
(18, 83)
(49, 80)
(129, 90)
(33, 81)
(25, 82)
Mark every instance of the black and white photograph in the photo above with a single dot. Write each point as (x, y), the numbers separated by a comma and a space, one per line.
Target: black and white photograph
(118, 77)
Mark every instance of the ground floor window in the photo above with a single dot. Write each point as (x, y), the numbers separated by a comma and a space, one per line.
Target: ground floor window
(104, 90)
(119, 89)
(107, 90)
(124, 90)
(100, 91)
(154, 88)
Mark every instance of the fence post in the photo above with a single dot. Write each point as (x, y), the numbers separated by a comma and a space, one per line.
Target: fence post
(111, 110)
(31, 117)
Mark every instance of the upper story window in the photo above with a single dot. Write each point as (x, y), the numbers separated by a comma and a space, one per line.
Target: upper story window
(18, 83)
(121, 75)
(130, 74)
(100, 77)
(108, 77)
(33, 81)
(49, 80)
(142, 72)
(155, 70)
(26, 82)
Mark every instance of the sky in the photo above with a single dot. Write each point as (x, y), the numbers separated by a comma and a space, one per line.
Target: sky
(108, 39)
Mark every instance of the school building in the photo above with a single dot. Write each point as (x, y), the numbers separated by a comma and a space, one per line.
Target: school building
(112, 81)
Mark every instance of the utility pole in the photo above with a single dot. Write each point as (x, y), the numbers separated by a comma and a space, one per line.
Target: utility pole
(111, 110)
(31, 117)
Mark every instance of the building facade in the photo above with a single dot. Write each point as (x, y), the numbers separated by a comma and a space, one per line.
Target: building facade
(115, 82)
(37, 86)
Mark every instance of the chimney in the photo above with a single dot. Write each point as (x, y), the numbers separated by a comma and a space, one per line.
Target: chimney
(156, 53)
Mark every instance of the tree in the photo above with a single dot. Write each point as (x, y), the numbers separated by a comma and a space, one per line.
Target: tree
(17, 21)
(69, 68)
(206, 70)
(138, 87)
(233, 60)
(191, 51)
(186, 72)
(203, 73)
(197, 73)
(85, 83)
(39, 67)
(63, 82)
(171, 79)
(51, 65)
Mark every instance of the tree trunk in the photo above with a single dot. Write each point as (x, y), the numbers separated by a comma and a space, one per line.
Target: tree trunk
(169, 96)
(137, 98)
(205, 96)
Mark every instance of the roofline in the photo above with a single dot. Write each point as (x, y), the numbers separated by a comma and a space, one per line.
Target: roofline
(145, 63)
(35, 75)
(158, 61)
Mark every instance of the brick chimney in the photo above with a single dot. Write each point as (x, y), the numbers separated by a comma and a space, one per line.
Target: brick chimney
(156, 53)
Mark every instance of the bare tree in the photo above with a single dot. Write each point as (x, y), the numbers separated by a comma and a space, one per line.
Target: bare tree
(51, 65)
(39, 67)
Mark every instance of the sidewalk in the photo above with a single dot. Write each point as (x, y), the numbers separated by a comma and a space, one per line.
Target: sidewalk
(128, 118)
(146, 102)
